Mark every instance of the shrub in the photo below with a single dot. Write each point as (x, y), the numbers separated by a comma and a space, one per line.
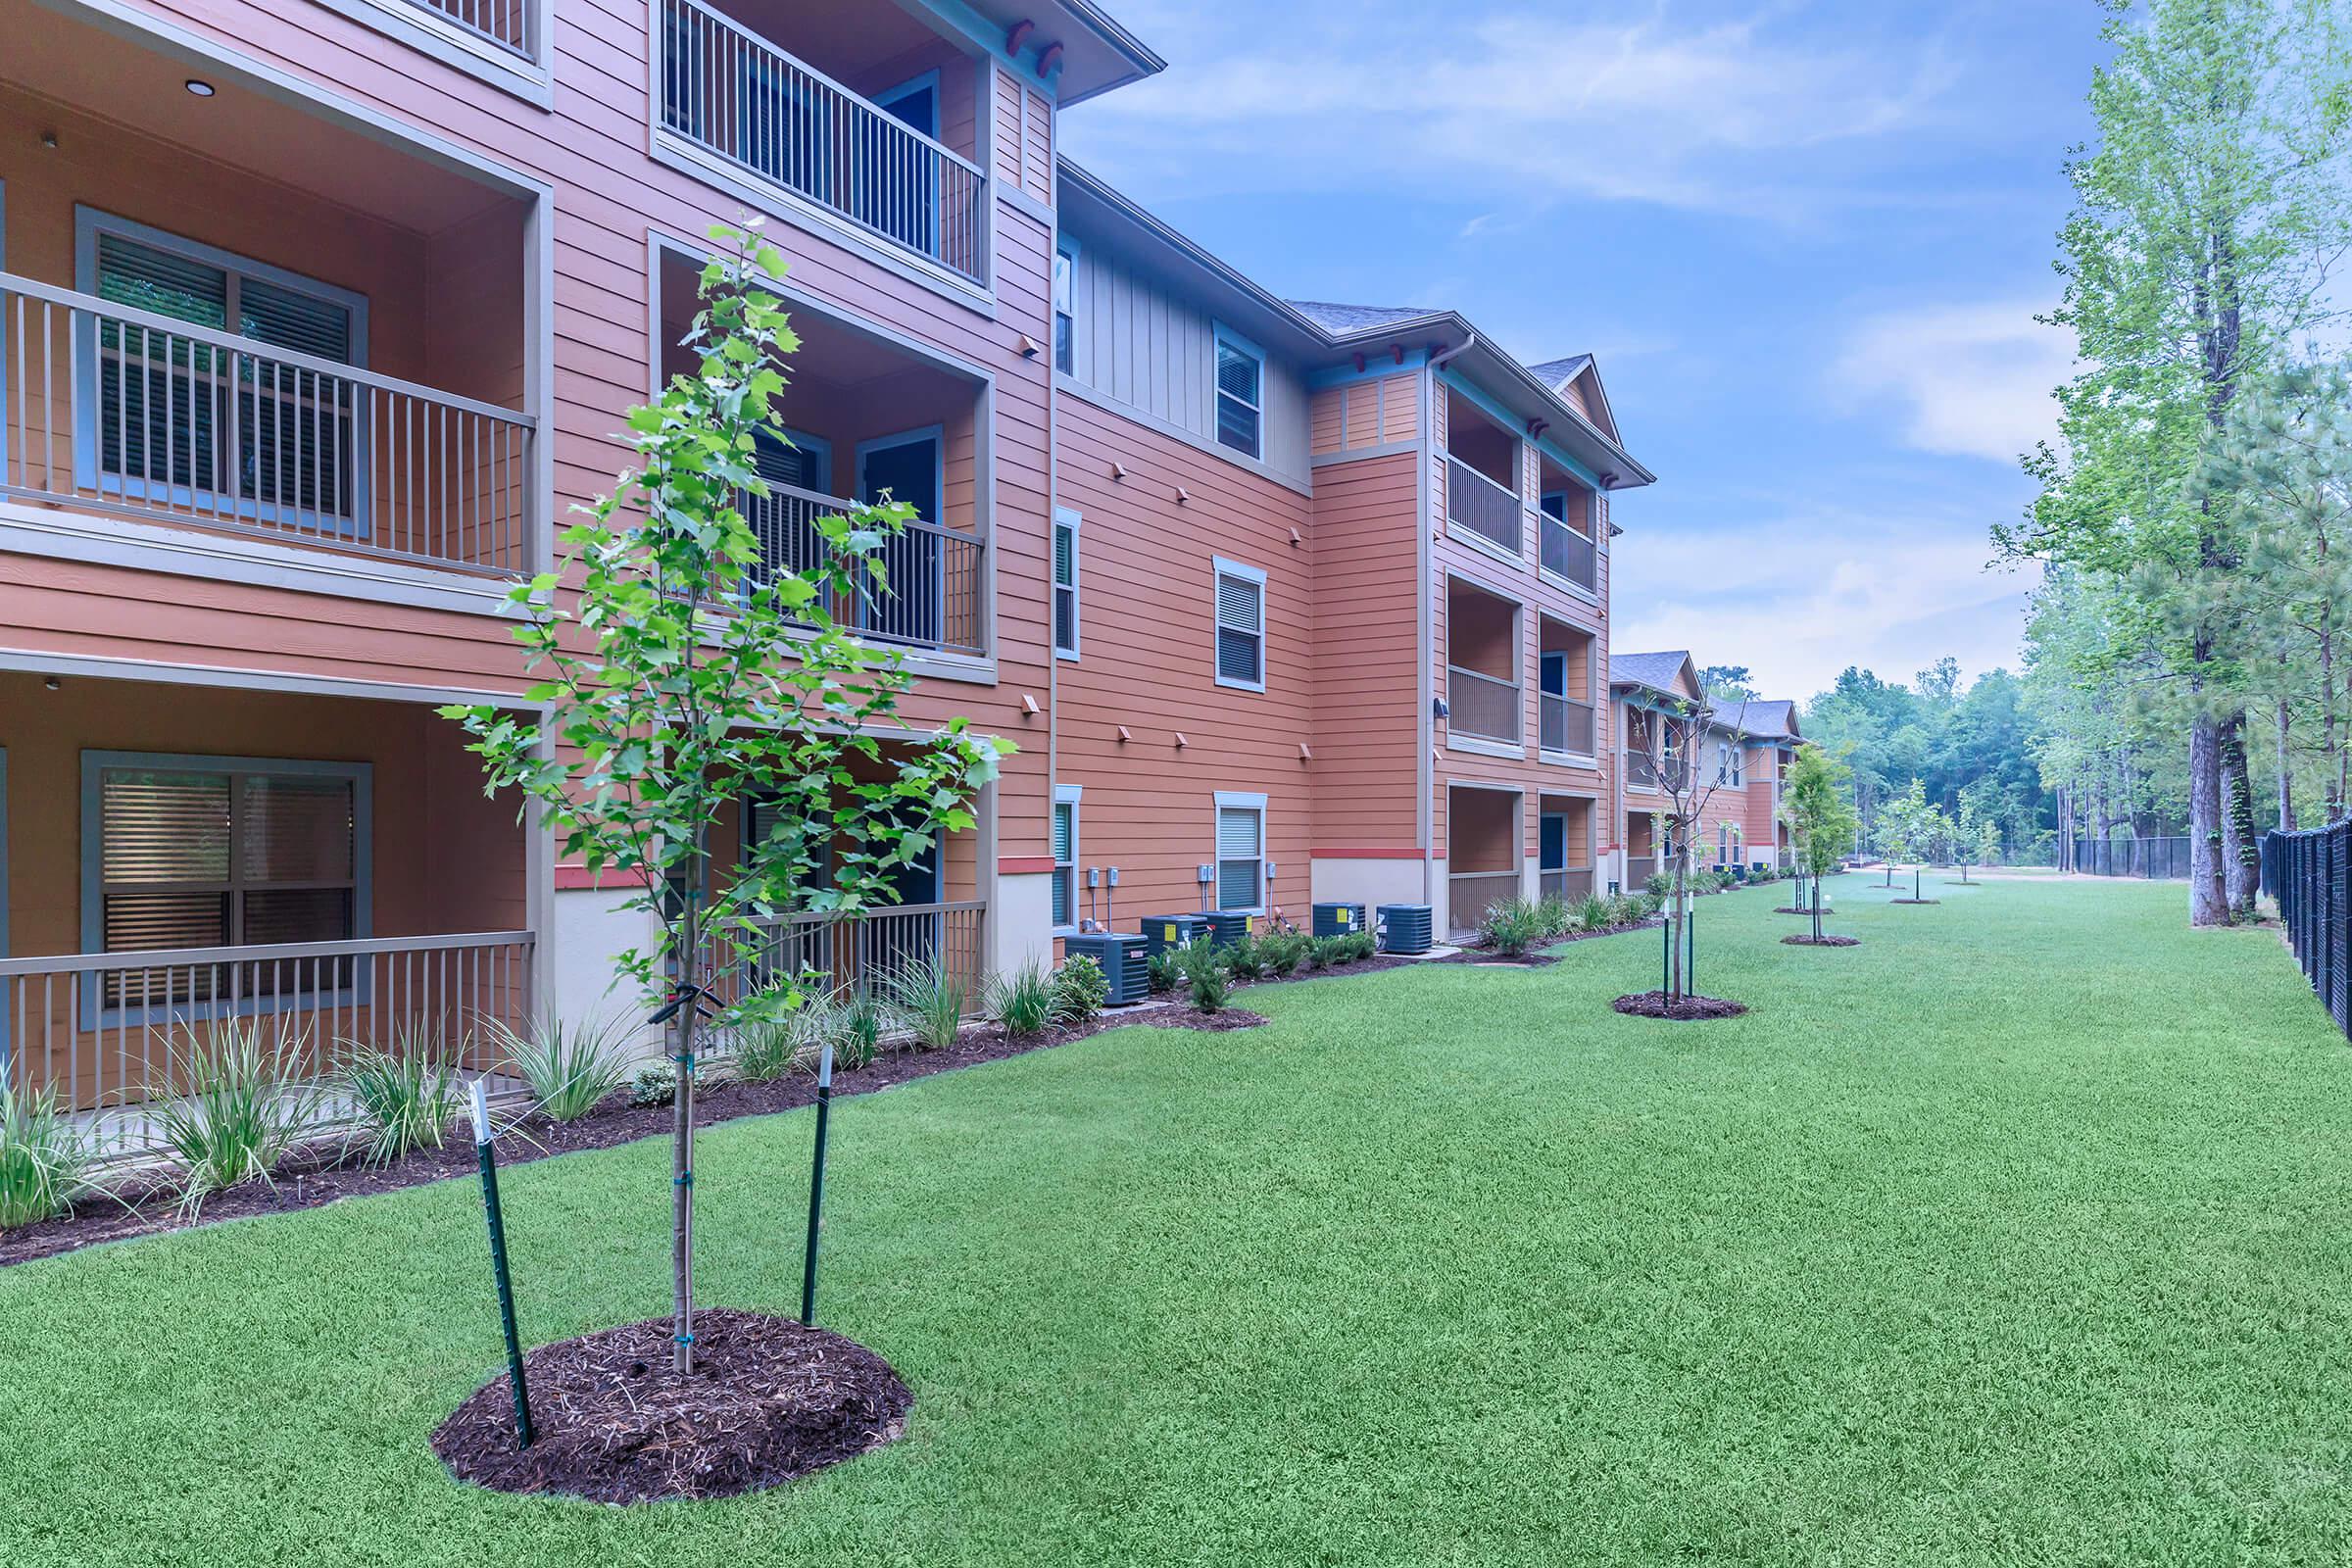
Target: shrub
(1245, 958)
(1658, 885)
(1164, 971)
(403, 1098)
(1357, 946)
(1022, 1000)
(1512, 928)
(232, 1106)
(657, 1085)
(1080, 988)
(44, 1157)
(932, 998)
(1325, 952)
(1594, 913)
(570, 1066)
(1284, 952)
(1205, 979)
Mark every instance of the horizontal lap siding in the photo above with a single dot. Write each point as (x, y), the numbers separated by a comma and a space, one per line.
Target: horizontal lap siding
(609, 193)
(1148, 639)
(1366, 646)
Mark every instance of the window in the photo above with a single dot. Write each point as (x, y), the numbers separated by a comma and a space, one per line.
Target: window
(1240, 851)
(1240, 626)
(1065, 320)
(1065, 583)
(1241, 395)
(165, 416)
(1065, 856)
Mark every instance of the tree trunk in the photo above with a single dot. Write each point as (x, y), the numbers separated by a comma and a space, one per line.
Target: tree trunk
(1674, 957)
(2208, 898)
(2287, 771)
(2241, 854)
(681, 1151)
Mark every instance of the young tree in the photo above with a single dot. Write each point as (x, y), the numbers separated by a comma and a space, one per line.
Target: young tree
(687, 670)
(1906, 826)
(1677, 748)
(1815, 803)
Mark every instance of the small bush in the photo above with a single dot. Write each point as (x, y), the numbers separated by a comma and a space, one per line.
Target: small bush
(1164, 971)
(403, 1098)
(1284, 952)
(1245, 958)
(1325, 952)
(1357, 946)
(44, 1157)
(767, 1048)
(1659, 884)
(1593, 912)
(657, 1085)
(1512, 928)
(932, 998)
(1206, 982)
(234, 1103)
(570, 1066)
(1080, 988)
(1022, 1000)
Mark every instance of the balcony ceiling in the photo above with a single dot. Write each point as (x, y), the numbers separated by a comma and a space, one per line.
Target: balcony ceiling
(55, 71)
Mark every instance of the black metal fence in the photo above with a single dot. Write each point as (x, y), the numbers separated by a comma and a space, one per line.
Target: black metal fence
(2154, 858)
(2310, 875)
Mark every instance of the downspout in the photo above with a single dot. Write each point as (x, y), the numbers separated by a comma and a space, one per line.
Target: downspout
(1424, 679)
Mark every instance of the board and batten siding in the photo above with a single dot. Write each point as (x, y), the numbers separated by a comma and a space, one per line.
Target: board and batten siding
(1145, 346)
(1147, 578)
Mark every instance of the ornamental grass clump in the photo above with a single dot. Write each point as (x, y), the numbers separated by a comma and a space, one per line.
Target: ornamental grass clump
(931, 999)
(570, 1066)
(1022, 1000)
(1553, 916)
(1594, 913)
(45, 1157)
(403, 1098)
(234, 1101)
(1512, 928)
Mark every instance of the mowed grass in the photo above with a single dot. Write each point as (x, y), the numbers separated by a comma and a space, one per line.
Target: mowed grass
(2016, 1234)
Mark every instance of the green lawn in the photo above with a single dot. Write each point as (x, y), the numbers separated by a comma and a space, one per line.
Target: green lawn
(2014, 1235)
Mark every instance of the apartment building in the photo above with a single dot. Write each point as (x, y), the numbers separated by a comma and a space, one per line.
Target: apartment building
(1739, 747)
(317, 316)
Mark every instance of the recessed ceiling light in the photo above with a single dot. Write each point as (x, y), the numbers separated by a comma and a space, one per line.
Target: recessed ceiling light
(199, 86)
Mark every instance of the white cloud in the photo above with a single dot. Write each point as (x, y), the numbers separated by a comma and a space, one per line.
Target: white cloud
(1972, 381)
(1715, 114)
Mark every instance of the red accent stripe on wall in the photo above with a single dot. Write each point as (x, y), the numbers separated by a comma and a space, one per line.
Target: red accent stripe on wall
(1374, 851)
(1024, 864)
(579, 876)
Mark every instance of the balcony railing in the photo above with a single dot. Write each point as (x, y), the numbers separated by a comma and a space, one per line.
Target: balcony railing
(1471, 894)
(1567, 882)
(110, 408)
(726, 89)
(835, 955)
(1568, 553)
(1479, 506)
(1482, 706)
(108, 1034)
(930, 591)
(505, 22)
(1565, 724)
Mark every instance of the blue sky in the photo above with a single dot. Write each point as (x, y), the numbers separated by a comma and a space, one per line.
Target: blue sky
(1806, 242)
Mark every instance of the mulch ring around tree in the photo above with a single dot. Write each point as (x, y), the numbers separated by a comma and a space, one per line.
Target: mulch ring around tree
(1495, 960)
(768, 1400)
(1914, 900)
(1216, 1022)
(1686, 1009)
(1802, 939)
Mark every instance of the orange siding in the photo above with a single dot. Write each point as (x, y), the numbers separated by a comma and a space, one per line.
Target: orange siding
(1366, 723)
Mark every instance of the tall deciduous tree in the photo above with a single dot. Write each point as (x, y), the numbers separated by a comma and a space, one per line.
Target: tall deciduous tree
(1815, 803)
(2207, 217)
(688, 671)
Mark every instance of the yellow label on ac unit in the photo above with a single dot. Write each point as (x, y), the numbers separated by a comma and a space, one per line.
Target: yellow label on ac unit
(1169, 934)
(1346, 916)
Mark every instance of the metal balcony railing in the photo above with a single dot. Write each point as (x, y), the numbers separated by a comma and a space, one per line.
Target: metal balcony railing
(1568, 553)
(1570, 883)
(505, 22)
(110, 408)
(838, 954)
(1471, 894)
(1565, 724)
(727, 89)
(1479, 506)
(1482, 706)
(930, 591)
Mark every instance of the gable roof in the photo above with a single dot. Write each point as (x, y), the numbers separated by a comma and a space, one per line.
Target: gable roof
(1770, 719)
(1659, 672)
(1357, 318)
(1556, 373)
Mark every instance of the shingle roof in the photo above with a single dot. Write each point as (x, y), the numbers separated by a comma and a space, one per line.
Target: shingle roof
(1767, 721)
(1654, 670)
(1557, 373)
(1354, 318)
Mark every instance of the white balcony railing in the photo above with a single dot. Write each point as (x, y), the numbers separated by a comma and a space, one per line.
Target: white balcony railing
(726, 89)
(505, 22)
(110, 408)
(1478, 506)
(108, 1033)
(932, 577)
(1567, 554)
(1482, 707)
(1565, 724)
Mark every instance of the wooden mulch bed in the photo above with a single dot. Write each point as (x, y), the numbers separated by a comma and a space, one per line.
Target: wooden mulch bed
(768, 1400)
(1485, 959)
(1807, 941)
(1914, 900)
(1655, 1005)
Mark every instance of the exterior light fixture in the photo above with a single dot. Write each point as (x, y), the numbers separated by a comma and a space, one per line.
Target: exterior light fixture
(199, 86)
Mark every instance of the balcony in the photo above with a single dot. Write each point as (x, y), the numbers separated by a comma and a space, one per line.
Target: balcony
(108, 408)
(1567, 725)
(507, 24)
(1566, 883)
(1485, 698)
(1565, 519)
(1482, 707)
(1568, 554)
(1479, 507)
(731, 92)
(929, 595)
(1566, 661)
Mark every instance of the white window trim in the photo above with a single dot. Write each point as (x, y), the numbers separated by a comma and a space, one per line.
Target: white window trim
(1224, 337)
(1222, 567)
(1065, 244)
(1064, 518)
(1068, 795)
(94, 768)
(1237, 801)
